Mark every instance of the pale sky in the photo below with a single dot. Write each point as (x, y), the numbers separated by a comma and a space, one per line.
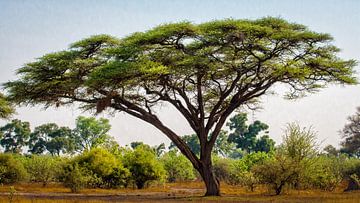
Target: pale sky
(30, 29)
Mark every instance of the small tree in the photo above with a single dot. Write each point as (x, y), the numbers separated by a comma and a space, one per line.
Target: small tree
(292, 160)
(205, 71)
(143, 165)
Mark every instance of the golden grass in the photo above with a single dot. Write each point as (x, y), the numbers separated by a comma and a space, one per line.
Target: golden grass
(170, 192)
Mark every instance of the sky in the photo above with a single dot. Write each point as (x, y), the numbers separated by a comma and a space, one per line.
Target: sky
(30, 29)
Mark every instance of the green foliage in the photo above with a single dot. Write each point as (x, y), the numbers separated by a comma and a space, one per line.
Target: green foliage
(42, 168)
(238, 171)
(351, 173)
(177, 167)
(15, 135)
(222, 168)
(90, 133)
(245, 137)
(221, 147)
(292, 161)
(331, 150)
(95, 168)
(278, 172)
(76, 177)
(11, 169)
(326, 173)
(6, 109)
(106, 170)
(192, 141)
(51, 138)
(143, 166)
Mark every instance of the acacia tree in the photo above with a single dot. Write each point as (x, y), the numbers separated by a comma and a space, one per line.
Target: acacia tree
(205, 71)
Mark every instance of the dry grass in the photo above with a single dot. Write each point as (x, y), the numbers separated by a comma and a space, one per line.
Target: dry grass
(171, 192)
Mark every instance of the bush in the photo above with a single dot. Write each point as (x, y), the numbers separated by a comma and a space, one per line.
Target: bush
(96, 168)
(277, 172)
(42, 168)
(352, 173)
(11, 169)
(222, 168)
(292, 161)
(237, 172)
(325, 173)
(143, 166)
(76, 177)
(177, 167)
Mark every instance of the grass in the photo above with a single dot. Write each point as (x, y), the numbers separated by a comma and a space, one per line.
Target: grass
(170, 192)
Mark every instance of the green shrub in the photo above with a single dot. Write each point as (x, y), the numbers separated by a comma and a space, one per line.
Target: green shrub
(77, 178)
(325, 173)
(293, 160)
(177, 167)
(96, 168)
(43, 168)
(277, 172)
(11, 169)
(143, 166)
(222, 168)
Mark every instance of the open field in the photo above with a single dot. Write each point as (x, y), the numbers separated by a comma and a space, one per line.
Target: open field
(178, 192)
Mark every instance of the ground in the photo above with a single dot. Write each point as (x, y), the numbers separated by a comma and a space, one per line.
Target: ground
(170, 192)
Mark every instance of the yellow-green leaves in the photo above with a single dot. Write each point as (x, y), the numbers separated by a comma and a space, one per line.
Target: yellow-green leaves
(5, 107)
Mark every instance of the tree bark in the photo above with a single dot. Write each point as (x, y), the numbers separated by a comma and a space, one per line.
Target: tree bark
(211, 182)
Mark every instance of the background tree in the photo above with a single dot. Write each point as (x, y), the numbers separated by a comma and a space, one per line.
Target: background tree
(90, 133)
(245, 136)
(331, 150)
(5, 108)
(351, 135)
(51, 138)
(221, 147)
(205, 71)
(15, 136)
(192, 141)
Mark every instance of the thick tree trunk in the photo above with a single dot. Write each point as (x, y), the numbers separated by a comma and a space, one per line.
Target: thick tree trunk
(211, 182)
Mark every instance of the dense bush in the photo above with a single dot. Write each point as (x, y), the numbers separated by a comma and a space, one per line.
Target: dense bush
(76, 177)
(351, 173)
(325, 173)
(177, 167)
(143, 166)
(11, 169)
(43, 168)
(96, 168)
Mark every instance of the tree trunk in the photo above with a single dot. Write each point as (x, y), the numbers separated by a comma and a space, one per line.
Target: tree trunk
(211, 182)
